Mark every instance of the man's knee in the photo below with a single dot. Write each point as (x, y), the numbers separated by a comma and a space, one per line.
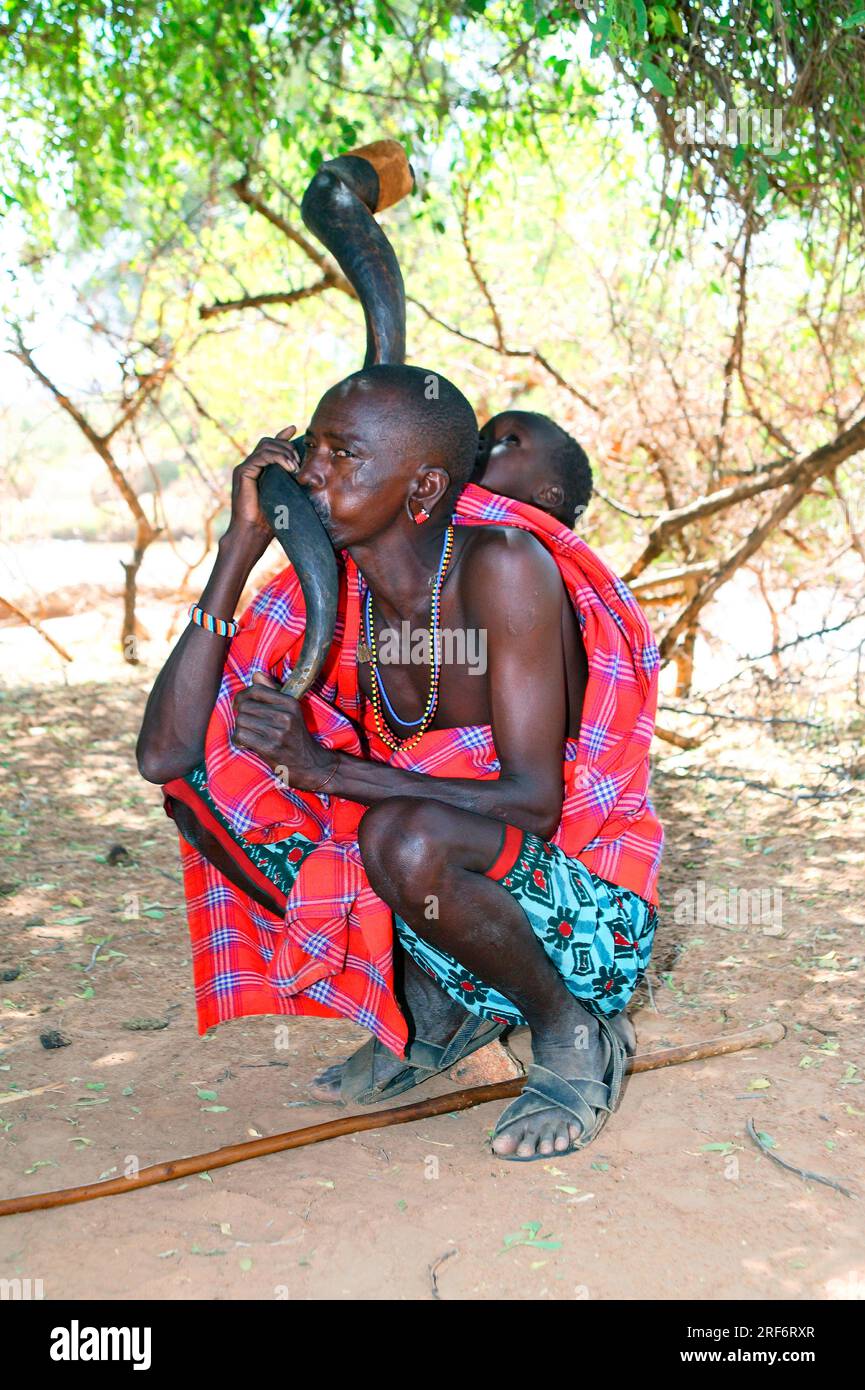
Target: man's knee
(406, 838)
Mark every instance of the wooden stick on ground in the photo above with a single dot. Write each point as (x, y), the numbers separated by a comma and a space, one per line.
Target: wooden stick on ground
(373, 1119)
(7, 1097)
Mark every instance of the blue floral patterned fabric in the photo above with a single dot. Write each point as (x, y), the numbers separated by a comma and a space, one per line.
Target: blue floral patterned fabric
(598, 936)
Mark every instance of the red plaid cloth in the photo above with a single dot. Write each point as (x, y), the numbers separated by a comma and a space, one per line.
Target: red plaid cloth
(331, 954)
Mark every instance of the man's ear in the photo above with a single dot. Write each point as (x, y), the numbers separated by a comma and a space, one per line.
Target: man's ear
(429, 488)
(549, 497)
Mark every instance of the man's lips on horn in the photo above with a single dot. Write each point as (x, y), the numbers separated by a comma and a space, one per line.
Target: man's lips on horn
(322, 511)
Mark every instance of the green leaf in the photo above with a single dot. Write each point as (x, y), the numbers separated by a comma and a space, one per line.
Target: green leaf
(206, 1095)
(528, 1235)
(600, 36)
(660, 20)
(658, 78)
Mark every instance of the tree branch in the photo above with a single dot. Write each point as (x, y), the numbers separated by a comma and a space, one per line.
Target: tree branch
(650, 581)
(145, 531)
(98, 441)
(476, 271)
(257, 301)
(821, 462)
(776, 475)
(31, 622)
(242, 190)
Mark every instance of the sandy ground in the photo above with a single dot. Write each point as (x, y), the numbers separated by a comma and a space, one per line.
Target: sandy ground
(673, 1201)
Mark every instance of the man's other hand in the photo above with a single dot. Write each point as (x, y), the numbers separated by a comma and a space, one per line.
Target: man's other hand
(271, 725)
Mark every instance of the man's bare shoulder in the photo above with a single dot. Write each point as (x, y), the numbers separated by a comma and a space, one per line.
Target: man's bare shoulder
(507, 552)
(504, 568)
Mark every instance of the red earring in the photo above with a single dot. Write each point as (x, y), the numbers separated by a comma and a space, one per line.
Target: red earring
(420, 516)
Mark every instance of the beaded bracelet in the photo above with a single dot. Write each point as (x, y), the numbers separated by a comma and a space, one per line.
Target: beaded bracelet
(221, 626)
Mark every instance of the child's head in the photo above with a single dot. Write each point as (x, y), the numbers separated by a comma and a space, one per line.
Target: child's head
(532, 459)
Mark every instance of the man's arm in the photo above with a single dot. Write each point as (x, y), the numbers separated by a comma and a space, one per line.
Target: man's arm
(171, 741)
(517, 598)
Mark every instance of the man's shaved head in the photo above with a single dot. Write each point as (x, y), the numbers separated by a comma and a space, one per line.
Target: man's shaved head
(387, 442)
(435, 423)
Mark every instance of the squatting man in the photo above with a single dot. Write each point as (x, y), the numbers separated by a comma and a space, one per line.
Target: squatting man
(517, 799)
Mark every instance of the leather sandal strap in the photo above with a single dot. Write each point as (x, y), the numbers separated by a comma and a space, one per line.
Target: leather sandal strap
(358, 1077)
(566, 1093)
(358, 1073)
(615, 1075)
(587, 1099)
(526, 1106)
(469, 1031)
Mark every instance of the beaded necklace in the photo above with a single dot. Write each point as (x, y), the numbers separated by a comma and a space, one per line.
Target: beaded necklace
(377, 690)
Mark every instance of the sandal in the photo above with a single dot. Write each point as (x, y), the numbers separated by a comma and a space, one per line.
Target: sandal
(589, 1101)
(423, 1060)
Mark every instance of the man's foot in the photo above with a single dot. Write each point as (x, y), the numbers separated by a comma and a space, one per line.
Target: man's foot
(327, 1086)
(576, 1064)
(435, 1017)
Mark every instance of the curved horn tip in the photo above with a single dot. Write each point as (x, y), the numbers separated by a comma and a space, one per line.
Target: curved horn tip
(395, 175)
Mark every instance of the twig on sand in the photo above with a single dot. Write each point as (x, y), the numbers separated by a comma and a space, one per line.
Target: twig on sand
(96, 949)
(434, 1269)
(792, 1168)
(156, 869)
(7, 1096)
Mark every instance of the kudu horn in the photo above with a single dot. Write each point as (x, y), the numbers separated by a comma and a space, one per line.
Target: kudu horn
(338, 208)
